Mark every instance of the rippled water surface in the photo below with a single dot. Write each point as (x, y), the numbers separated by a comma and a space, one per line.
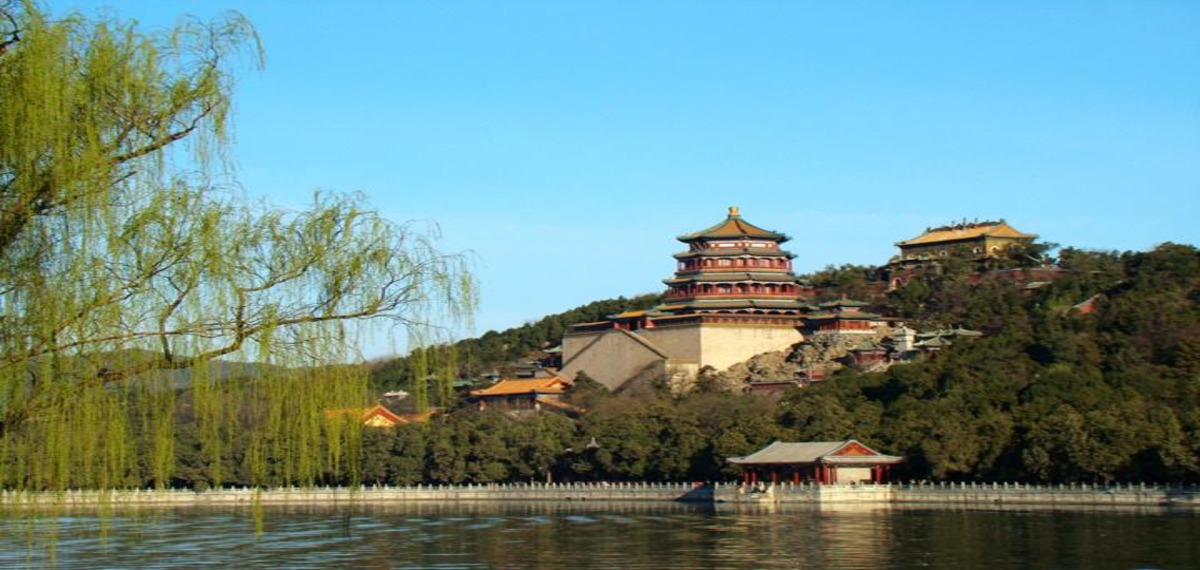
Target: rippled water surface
(601, 535)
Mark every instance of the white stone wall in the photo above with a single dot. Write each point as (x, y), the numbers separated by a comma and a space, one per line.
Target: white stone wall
(681, 342)
(723, 345)
(374, 496)
(609, 357)
(612, 357)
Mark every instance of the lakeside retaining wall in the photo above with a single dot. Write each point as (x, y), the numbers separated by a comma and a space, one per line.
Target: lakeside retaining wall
(365, 495)
(966, 494)
(973, 494)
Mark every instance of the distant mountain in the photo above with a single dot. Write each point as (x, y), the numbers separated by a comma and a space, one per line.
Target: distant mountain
(218, 369)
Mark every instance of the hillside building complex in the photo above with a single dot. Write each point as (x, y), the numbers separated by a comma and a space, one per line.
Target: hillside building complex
(975, 240)
(733, 296)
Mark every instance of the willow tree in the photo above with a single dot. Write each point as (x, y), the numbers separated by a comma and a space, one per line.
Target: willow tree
(125, 255)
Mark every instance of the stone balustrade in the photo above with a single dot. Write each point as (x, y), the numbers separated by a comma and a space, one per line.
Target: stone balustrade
(967, 493)
(619, 491)
(976, 494)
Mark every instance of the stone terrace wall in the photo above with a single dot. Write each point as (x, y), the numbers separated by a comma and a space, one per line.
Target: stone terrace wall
(366, 495)
(1073, 494)
(979, 494)
(965, 494)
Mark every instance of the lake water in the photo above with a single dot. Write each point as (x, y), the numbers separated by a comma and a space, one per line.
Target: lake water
(603, 535)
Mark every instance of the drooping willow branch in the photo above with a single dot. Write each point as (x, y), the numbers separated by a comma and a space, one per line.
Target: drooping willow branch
(121, 260)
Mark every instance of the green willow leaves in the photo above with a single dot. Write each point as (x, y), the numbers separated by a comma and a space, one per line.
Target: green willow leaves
(127, 271)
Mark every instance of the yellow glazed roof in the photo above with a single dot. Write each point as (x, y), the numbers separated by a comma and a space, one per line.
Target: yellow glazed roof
(963, 232)
(513, 386)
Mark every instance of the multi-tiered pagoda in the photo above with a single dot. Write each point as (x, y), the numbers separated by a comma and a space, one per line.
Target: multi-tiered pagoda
(733, 296)
(734, 267)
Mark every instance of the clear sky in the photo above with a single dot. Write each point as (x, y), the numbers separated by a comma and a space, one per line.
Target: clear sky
(566, 144)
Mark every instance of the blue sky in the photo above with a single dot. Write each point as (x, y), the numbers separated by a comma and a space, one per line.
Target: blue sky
(566, 144)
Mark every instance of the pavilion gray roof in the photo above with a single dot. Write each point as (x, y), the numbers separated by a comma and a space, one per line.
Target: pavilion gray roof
(781, 452)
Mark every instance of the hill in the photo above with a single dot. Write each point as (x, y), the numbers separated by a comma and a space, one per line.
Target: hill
(496, 352)
(1095, 375)
(1092, 376)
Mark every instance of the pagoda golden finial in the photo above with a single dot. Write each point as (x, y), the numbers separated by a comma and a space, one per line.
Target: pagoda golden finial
(733, 211)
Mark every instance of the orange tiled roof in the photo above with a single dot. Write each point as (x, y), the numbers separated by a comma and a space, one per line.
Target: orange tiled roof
(734, 226)
(378, 415)
(631, 314)
(379, 411)
(965, 232)
(514, 386)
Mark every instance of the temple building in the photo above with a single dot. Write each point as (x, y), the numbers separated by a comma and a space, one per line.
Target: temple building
(986, 244)
(975, 240)
(523, 394)
(733, 296)
(843, 316)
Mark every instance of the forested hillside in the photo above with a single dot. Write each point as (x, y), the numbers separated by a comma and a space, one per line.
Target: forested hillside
(493, 350)
(1053, 392)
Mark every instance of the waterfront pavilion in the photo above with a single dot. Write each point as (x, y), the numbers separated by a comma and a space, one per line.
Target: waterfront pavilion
(821, 462)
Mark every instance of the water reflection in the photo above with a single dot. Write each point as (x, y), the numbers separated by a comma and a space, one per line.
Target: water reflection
(600, 535)
(807, 536)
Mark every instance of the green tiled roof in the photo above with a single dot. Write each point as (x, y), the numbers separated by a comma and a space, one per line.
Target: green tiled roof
(718, 304)
(733, 277)
(846, 315)
(844, 303)
(734, 252)
(734, 227)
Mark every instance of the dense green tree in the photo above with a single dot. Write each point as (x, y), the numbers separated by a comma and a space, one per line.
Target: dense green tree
(488, 458)
(843, 281)
(407, 465)
(445, 452)
(627, 442)
(731, 426)
(538, 445)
